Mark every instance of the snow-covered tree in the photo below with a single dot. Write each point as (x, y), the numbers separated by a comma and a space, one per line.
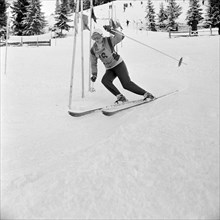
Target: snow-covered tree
(19, 10)
(194, 14)
(34, 21)
(57, 8)
(62, 17)
(150, 17)
(72, 4)
(3, 18)
(86, 3)
(173, 11)
(162, 16)
(213, 14)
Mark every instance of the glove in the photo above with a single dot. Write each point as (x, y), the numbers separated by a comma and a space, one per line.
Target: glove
(107, 28)
(93, 78)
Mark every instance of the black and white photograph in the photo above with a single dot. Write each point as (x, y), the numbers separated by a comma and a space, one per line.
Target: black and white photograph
(110, 109)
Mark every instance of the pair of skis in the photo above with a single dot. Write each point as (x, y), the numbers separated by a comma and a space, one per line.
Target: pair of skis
(113, 109)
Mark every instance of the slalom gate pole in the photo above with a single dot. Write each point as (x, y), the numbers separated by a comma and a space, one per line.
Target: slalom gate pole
(180, 61)
(82, 52)
(6, 46)
(114, 18)
(90, 41)
(74, 52)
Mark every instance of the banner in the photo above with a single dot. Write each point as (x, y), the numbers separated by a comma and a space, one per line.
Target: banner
(93, 15)
(85, 22)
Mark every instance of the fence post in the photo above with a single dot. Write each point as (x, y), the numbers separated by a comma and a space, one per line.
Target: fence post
(169, 33)
(210, 27)
(190, 30)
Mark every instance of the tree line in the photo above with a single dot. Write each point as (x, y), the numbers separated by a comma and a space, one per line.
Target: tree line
(28, 19)
(167, 17)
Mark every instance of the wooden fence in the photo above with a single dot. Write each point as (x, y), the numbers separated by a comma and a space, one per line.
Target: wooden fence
(34, 40)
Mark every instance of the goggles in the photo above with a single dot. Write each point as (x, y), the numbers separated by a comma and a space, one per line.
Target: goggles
(96, 37)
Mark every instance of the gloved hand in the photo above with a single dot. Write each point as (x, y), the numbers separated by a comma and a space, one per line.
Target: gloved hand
(107, 28)
(93, 78)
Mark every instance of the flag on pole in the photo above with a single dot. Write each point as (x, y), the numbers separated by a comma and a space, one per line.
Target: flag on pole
(115, 24)
(85, 22)
(112, 23)
(93, 16)
(118, 25)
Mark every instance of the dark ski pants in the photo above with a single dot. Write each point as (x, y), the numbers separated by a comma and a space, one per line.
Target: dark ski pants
(121, 72)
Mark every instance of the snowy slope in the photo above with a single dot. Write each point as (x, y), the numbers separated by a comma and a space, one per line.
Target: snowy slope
(158, 161)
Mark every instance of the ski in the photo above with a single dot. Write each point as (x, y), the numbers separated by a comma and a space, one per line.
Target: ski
(108, 111)
(79, 113)
(115, 108)
(83, 113)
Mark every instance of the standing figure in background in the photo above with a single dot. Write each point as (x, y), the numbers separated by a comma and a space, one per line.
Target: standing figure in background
(194, 24)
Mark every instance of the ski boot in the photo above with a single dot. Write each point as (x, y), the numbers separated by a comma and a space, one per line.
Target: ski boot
(148, 96)
(120, 99)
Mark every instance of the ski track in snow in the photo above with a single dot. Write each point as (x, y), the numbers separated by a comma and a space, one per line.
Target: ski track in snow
(156, 161)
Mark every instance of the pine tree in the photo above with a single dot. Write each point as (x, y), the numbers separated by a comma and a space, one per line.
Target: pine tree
(19, 10)
(162, 16)
(63, 17)
(194, 14)
(86, 3)
(213, 14)
(150, 17)
(72, 4)
(34, 21)
(57, 8)
(173, 11)
(67, 3)
(3, 18)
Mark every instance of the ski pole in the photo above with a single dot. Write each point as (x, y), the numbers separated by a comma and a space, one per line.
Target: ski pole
(180, 61)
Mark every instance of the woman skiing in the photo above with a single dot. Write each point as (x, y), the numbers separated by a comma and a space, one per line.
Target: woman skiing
(103, 48)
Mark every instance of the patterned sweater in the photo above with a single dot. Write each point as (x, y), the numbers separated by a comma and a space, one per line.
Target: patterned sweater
(106, 53)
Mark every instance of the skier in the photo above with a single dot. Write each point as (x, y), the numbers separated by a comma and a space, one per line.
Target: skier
(103, 48)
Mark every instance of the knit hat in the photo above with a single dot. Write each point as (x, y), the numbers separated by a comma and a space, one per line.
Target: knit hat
(96, 32)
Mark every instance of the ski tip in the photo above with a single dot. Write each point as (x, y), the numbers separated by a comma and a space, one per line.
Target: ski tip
(74, 114)
(106, 113)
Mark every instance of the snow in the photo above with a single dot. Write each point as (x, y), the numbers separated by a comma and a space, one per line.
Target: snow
(157, 161)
